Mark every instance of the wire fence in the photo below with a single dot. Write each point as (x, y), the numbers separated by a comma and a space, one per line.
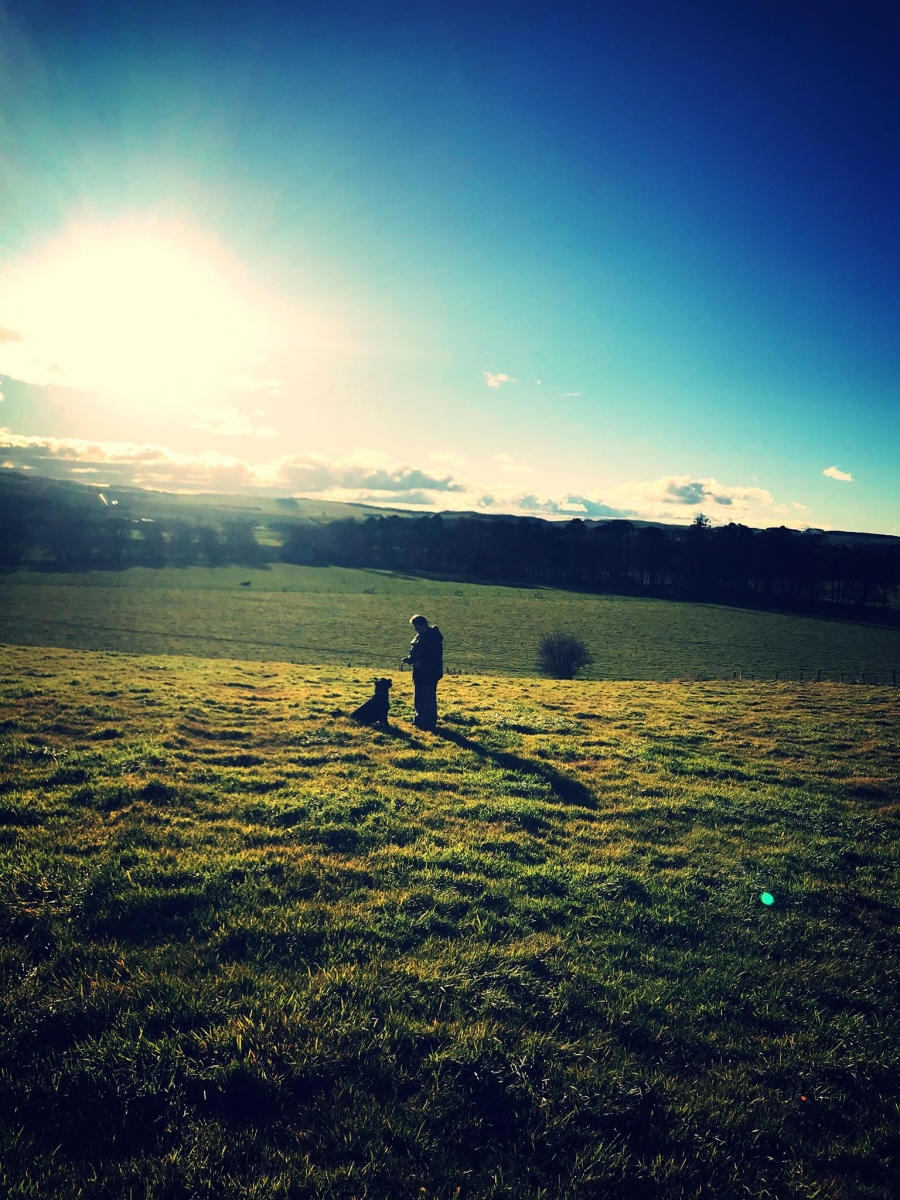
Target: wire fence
(822, 675)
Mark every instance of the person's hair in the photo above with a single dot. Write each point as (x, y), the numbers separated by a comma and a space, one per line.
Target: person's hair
(418, 619)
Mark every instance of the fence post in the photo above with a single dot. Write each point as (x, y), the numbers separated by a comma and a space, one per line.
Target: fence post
(894, 676)
(819, 676)
(776, 676)
(801, 676)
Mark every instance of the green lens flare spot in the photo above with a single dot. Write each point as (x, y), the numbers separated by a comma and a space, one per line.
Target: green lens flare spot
(767, 898)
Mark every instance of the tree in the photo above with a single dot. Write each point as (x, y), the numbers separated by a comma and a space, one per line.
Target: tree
(240, 544)
(562, 655)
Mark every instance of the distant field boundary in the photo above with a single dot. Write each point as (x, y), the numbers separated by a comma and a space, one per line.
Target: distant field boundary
(879, 615)
(343, 616)
(862, 678)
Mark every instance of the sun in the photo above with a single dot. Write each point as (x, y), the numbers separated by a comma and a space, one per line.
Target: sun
(143, 312)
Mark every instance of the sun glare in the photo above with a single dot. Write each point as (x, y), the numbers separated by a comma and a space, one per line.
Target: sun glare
(145, 313)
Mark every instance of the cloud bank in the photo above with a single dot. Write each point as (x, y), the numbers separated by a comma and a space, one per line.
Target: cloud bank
(154, 466)
(372, 478)
(673, 499)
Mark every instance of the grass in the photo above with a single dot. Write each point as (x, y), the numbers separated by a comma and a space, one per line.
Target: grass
(337, 615)
(250, 949)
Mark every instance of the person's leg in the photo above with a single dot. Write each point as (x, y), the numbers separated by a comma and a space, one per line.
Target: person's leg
(425, 700)
(431, 706)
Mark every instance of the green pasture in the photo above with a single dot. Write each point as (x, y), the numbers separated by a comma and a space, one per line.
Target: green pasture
(251, 949)
(335, 615)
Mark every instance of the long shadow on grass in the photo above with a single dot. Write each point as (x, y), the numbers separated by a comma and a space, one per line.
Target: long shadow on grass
(569, 790)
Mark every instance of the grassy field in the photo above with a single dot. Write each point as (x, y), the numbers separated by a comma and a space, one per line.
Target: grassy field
(334, 615)
(250, 949)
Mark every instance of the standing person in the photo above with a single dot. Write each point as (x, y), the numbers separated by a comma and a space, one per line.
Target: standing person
(427, 657)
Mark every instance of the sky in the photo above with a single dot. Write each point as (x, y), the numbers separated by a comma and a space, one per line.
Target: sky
(625, 259)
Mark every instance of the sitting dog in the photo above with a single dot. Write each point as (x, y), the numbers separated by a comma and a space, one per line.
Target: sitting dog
(375, 709)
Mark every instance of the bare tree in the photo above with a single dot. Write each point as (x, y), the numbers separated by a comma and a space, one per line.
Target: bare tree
(562, 655)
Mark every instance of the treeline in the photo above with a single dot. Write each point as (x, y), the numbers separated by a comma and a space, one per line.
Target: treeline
(77, 538)
(732, 564)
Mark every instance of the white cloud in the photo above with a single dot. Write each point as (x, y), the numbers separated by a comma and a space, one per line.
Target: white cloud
(680, 497)
(834, 473)
(508, 463)
(570, 395)
(448, 458)
(565, 505)
(496, 381)
(313, 473)
(229, 422)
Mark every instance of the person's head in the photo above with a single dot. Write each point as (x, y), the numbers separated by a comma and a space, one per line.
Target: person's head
(418, 622)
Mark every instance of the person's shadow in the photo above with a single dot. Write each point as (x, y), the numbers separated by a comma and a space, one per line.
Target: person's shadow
(566, 789)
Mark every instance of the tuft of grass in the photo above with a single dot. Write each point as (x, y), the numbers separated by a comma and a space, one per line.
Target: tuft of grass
(250, 948)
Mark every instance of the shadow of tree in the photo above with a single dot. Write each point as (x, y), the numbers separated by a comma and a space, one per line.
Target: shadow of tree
(568, 790)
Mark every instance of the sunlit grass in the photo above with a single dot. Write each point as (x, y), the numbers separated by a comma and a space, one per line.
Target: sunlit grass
(250, 948)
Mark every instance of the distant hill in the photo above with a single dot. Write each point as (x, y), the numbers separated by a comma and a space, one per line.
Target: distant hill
(148, 503)
(216, 506)
(60, 525)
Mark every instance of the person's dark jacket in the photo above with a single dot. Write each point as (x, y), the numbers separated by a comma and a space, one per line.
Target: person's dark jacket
(427, 655)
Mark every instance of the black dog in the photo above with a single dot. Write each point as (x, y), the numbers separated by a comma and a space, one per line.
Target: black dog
(375, 709)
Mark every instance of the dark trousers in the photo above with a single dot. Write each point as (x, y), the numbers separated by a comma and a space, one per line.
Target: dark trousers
(425, 700)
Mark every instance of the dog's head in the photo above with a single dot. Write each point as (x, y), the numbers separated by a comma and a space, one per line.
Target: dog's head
(383, 685)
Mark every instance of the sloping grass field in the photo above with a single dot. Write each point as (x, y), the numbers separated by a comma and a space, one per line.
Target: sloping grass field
(336, 615)
(250, 949)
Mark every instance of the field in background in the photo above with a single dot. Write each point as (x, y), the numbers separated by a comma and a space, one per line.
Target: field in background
(248, 948)
(337, 615)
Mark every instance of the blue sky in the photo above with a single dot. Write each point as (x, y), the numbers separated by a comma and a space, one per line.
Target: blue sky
(625, 259)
